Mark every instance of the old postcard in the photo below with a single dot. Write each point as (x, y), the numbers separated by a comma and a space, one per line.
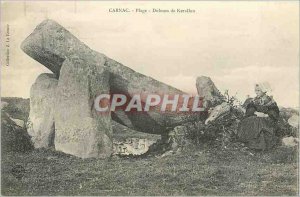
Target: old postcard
(149, 98)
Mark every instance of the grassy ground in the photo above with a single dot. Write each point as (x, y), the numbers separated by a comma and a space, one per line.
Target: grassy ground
(205, 171)
(202, 171)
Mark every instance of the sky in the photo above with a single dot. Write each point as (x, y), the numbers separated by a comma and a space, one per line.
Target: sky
(237, 44)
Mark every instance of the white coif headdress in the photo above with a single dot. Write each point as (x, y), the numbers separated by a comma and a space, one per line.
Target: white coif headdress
(265, 87)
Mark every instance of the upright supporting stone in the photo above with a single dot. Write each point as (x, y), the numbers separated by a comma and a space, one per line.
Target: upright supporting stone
(79, 130)
(41, 117)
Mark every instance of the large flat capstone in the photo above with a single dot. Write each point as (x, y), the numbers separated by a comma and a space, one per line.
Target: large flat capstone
(51, 44)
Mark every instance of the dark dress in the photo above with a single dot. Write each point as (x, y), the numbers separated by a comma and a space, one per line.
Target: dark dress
(259, 132)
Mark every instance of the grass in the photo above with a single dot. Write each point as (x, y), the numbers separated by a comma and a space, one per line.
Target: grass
(202, 171)
(206, 170)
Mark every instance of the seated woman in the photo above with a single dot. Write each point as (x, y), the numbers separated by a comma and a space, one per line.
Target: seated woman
(258, 128)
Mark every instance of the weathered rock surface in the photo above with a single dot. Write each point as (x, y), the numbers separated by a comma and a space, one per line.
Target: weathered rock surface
(51, 45)
(207, 89)
(290, 141)
(40, 125)
(218, 112)
(80, 131)
(18, 122)
(132, 146)
(294, 121)
(3, 104)
(121, 133)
